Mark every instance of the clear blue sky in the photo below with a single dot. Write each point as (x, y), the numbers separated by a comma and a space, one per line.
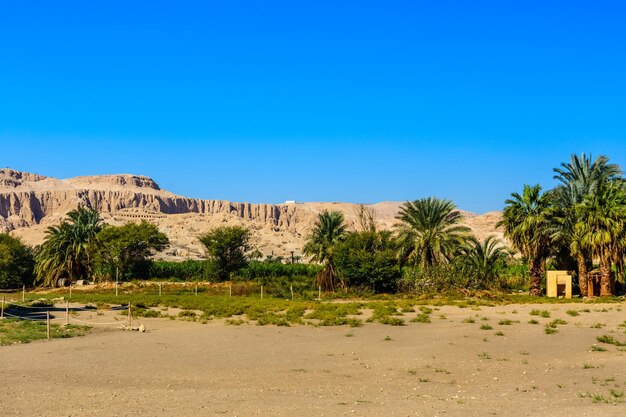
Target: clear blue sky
(356, 101)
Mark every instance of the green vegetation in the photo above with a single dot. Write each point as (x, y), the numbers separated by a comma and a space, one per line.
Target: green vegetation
(543, 313)
(122, 250)
(432, 233)
(610, 340)
(428, 254)
(16, 262)
(226, 248)
(526, 222)
(328, 231)
(25, 331)
(66, 251)
(368, 260)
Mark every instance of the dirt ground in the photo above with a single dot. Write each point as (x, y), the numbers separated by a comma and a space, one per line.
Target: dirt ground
(446, 367)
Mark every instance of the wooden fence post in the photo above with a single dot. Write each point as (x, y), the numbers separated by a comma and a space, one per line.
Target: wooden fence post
(291, 290)
(70, 290)
(319, 292)
(159, 289)
(2, 310)
(130, 317)
(230, 290)
(23, 293)
(48, 324)
(261, 292)
(67, 312)
(196, 289)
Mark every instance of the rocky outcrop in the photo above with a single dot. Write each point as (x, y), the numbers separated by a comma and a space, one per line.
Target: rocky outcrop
(30, 202)
(22, 205)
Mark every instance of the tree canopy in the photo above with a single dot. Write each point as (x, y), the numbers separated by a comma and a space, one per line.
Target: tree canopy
(226, 249)
(120, 249)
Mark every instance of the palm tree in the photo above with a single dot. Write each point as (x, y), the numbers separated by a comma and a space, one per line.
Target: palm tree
(329, 230)
(485, 260)
(526, 221)
(578, 179)
(431, 233)
(602, 220)
(66, 248)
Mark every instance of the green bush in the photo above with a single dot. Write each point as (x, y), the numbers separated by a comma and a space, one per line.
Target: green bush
(368, 260)
(17, 262)
(188, 270)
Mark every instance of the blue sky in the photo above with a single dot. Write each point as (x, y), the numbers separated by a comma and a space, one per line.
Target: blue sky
(357, 101)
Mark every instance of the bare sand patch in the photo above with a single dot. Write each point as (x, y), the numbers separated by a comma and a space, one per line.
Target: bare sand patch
(447, 367)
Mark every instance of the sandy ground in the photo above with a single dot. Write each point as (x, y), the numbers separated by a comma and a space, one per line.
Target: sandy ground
(446, 367)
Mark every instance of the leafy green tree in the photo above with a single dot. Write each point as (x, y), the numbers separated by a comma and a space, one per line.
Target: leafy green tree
(226, 249)
(431, 233)
(527, 223)
(602, 220)
(369, 259)
(16, 262)
(485, 261)
(120, 249)
(329, 230)
(581, 178)
(66, 251)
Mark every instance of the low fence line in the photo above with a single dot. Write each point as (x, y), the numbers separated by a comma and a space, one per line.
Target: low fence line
(40, 316)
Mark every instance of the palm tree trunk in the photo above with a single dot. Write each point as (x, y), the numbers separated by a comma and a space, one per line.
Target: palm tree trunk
(534, 271)
(582, 276)
(606, 287)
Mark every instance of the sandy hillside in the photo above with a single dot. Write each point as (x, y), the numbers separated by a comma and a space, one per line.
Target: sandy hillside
(29, 203)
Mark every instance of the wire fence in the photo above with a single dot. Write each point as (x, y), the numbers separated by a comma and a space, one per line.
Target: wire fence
(19, 311)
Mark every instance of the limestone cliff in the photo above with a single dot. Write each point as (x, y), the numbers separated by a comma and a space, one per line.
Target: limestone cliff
(30, 202)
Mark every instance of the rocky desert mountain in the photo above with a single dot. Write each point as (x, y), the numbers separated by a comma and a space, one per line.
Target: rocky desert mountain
(29, 203)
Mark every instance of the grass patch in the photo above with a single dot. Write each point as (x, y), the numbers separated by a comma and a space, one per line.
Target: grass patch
(421, 318)
(541, 313)
(24, 331)
(486, 327)
(572, 313)
(596, 348)
(609, 340)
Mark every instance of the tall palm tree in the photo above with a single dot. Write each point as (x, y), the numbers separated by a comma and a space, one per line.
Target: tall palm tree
(485, 260)
(431, 233)
(329, 230)
(66, 248)
(578, 179)
(602, 220)
(526, 221)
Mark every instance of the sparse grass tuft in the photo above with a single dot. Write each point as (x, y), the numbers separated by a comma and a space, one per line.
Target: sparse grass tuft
(609, 340)
(421, 318)
(542, 313)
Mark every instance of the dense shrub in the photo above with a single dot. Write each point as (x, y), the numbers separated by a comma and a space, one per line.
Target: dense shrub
(260, 270)
(368, 259)
(186, 270)
(16, 262)
(226, 248)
